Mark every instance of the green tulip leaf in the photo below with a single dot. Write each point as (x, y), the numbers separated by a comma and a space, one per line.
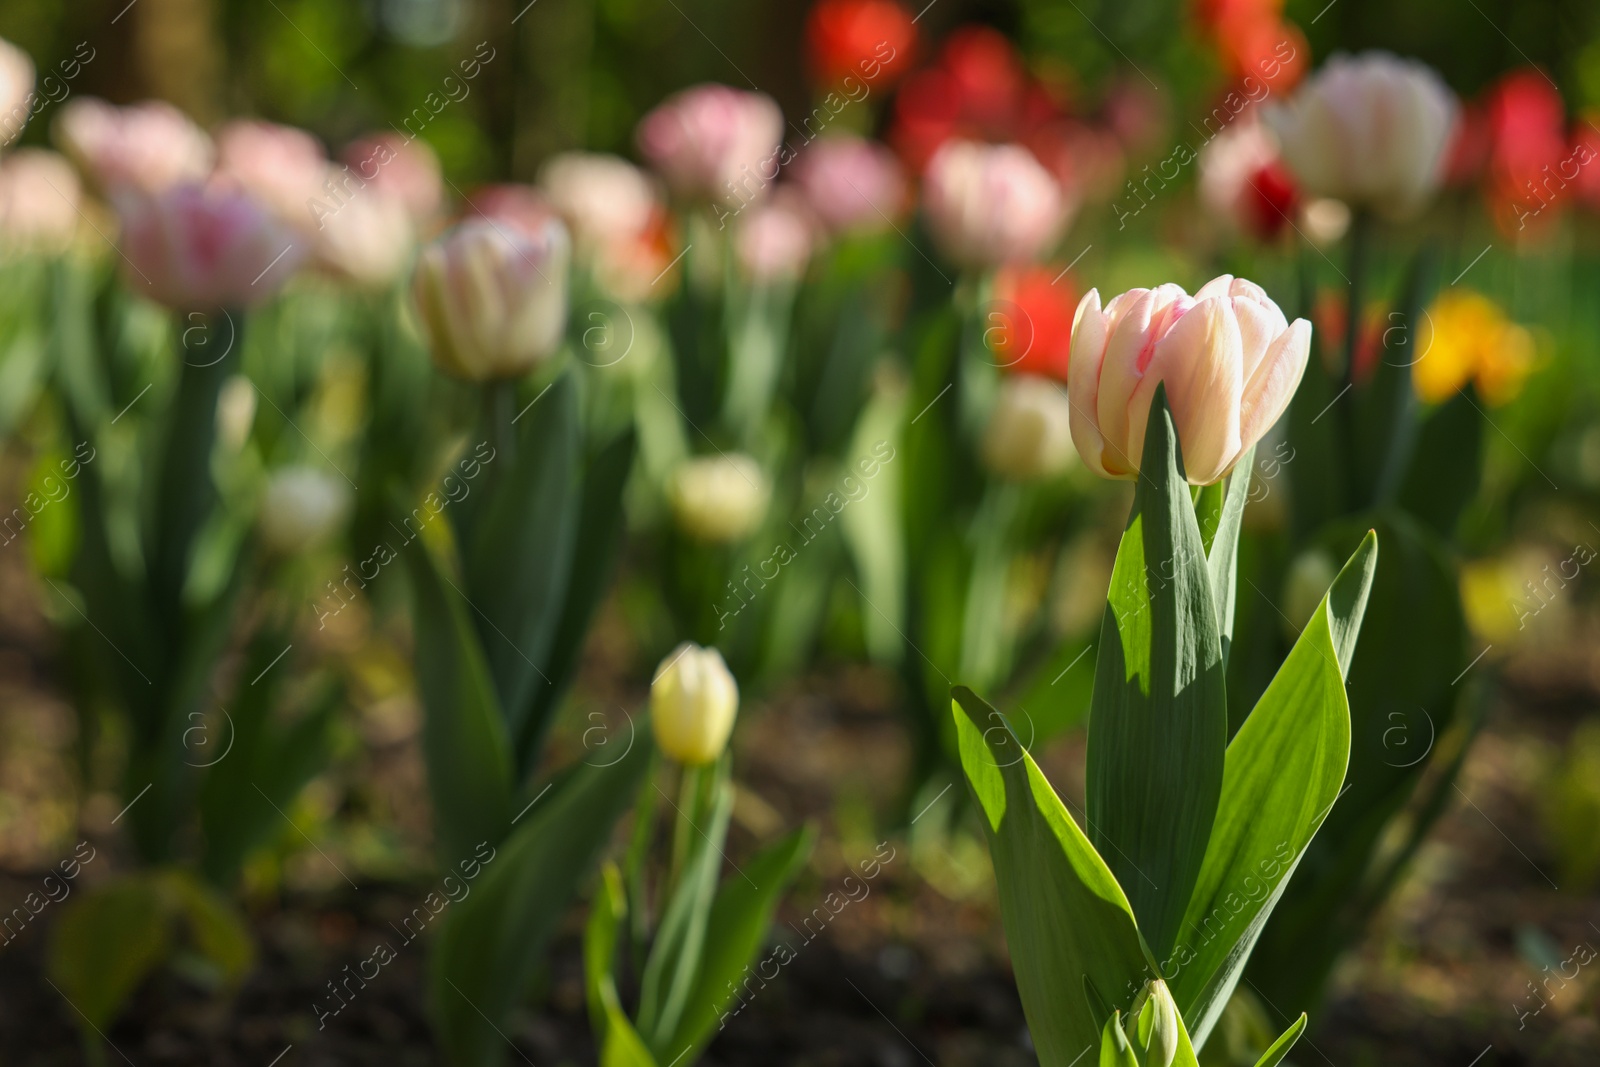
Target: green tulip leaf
(1222, 545)
(493, 940)
(675, 957)
(1074, 945)
(740, 918)
(1280, 1048)
(464, 740)
(106, 941)
(1283, 773)
(517, 551)
(620, 1044)
(1115, 1050)
(1158, 724)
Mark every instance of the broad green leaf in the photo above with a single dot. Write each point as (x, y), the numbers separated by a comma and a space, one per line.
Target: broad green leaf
(1069, 926)
(106, 940)
(493, 940)
(1283, 773)
(1447, 465)
(600, 524)
(740, 918)
(620, 1044)
(463, 734)
(1280, 1048)
(1384, 406)
(674, 959)
(516, 558)
(1158, 725)
(1222, 547)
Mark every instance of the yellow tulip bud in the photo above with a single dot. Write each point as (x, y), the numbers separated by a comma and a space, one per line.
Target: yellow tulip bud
(693, 700)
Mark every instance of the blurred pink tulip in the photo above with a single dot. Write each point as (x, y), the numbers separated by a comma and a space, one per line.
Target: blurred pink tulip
(852, 183)
(493, 297)
(39, 198)
(368, 238)
(989, 205)
(714, 143)
(146, 147)
(1371, 130)
(1230, 362)
(199, 248)
(282, 167)
(774, 240)
(16, 91)
(604, 199)
(401, 167)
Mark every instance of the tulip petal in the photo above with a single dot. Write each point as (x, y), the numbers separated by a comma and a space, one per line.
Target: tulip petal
(1083, 379)
(1199, 360)
(1268, 392)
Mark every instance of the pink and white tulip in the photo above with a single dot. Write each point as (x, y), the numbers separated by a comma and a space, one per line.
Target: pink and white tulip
(403, 168)
(282, 167)
(146, 148)
(198, 248)
(852, 184)
(990, 205)
(16, 91)
(1371, 130)
(1228, 358)
(493, 297)
(714, 143)
(39, 201)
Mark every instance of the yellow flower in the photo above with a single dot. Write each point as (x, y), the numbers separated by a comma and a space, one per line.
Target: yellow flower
(1472, 340)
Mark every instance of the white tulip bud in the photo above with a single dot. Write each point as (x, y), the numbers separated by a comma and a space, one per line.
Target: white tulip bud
(693, 700)
(301, 507)
(1161, 1046)
(1029, 434)
(719, 498)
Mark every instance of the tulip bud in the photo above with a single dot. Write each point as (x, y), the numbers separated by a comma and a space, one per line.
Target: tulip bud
(693, 701)
(301, 507)
(1030, 433)
(283, 167)
(196, 248)
(719, 498)
(1371, 130)
(403, 168)
(851, 184)
(148, 147)
(16, 91)
(367, 238)
(493, 297)
(989, 205)
(39, 198)
(604, 199)
(714, 143)
(1228, 358)
(1158, 1025)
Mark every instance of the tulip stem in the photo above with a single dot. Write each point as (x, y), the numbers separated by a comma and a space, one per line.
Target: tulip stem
(500, 405)
(1360, 251)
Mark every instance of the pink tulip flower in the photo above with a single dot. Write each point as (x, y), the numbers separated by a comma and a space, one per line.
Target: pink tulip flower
(1228, 358)
(714, 143)
(144, 148)
(990, 205)
(200, 248)
(852, 184)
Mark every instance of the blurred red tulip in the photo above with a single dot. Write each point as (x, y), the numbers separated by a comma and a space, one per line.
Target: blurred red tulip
(874, 40)
(1586, 153)
(1029, 325)
(1527, 147)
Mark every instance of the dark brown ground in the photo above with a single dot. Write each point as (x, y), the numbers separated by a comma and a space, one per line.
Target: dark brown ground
(915, 973)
